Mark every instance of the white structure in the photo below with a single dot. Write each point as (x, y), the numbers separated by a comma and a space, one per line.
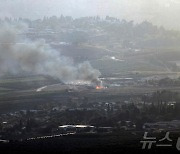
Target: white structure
(163, 125)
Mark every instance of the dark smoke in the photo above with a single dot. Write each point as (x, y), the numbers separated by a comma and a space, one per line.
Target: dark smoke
(19, 55)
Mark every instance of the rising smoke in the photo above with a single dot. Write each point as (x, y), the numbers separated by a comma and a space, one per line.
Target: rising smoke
(18, 54)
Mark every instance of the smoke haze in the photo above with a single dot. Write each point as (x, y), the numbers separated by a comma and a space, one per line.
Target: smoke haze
(160, 12)
(20, 55)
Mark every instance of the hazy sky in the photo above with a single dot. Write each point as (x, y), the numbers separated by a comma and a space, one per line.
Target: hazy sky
(160, 12)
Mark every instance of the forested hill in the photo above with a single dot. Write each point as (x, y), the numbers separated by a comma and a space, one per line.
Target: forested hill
(109, 31)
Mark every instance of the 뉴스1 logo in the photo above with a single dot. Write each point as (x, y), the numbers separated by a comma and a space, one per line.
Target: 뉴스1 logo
(148, 142)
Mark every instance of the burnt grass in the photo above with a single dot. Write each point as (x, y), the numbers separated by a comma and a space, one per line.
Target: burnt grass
(83, 143)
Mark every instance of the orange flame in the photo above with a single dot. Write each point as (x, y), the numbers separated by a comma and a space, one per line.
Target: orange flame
(99, 87)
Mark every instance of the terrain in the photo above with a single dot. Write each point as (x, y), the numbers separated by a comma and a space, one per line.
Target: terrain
(139, 69)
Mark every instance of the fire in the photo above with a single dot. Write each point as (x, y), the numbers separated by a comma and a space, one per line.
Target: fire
(99, 87)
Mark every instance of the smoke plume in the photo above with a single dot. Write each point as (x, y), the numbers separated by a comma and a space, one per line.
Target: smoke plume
(20, 55)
